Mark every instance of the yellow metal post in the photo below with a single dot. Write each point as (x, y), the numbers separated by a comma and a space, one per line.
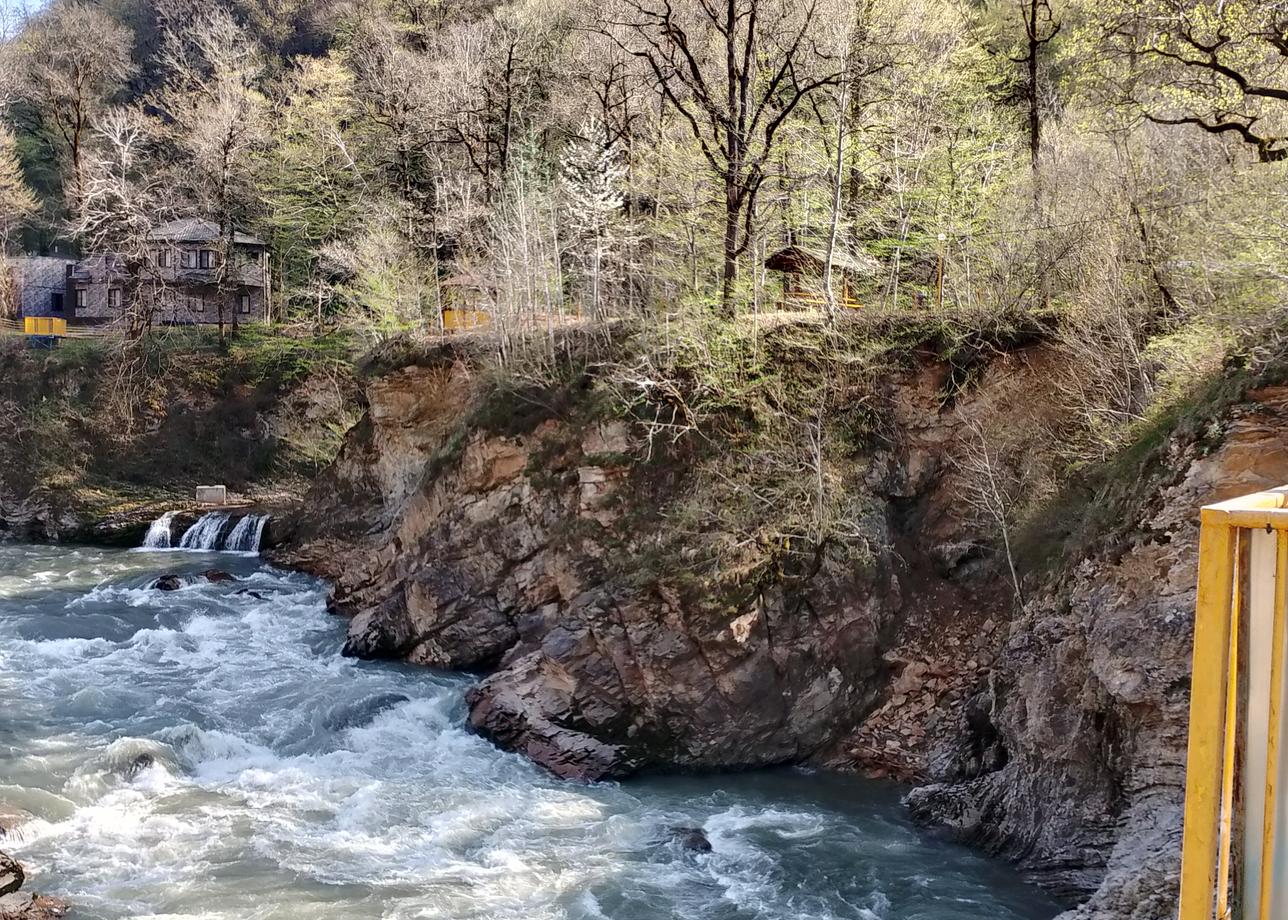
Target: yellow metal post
(1208, 686)
(1274, 721)
(1231, 733)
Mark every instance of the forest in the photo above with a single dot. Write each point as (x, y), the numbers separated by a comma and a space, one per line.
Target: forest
(1116, 166)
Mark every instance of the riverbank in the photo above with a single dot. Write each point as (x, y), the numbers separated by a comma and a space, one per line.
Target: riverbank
(94, 445)
(862, 549)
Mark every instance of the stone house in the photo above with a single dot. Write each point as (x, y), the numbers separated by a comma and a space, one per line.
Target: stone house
(183, 281)
(39, 285)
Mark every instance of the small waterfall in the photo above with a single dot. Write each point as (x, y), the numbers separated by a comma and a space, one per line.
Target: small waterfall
(210, 533)
(245, 537)
(158, 535)
(206, 532)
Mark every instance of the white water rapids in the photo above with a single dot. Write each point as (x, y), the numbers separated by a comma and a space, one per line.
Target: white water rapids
(288, 783)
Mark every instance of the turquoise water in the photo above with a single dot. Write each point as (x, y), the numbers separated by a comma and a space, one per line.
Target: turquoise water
(287, 782)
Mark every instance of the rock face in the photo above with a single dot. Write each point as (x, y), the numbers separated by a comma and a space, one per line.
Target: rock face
(26, 906)
(1052, 732)
(1089, 700)
(11, 875)
(514, 556)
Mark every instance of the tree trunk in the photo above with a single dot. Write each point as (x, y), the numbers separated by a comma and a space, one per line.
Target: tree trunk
(834, 223)
(1035, 117)
(729, 277)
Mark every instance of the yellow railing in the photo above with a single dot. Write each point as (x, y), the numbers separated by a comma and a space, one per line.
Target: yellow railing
(455, 320)
(1232, 863)
(803, 300)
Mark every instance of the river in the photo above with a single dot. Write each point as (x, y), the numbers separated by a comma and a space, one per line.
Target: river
(284, 781)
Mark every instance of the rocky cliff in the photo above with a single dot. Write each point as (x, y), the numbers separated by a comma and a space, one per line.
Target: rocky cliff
(1088, 700)
(588, 564)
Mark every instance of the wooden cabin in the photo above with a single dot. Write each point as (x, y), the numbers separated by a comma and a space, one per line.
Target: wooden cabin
(803, 270)
(468, 300)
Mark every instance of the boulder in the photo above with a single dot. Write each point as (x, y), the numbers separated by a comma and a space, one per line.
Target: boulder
(138, 765)
(11, 874)
(692, 838)
(168, 582)
(27, 906)
(217, 577)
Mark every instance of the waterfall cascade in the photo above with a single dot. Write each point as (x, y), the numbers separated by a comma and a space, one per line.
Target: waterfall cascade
(206, 532)
(245, 536)
(211, 533)
(158, 535)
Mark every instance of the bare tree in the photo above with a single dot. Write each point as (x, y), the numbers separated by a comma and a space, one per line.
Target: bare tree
(736, 71)
(17, 203)
(1040, 29)
(594, 212)
(992, 490)
(216, 117)
(124, 199)
(68, 64)
(1217, 66)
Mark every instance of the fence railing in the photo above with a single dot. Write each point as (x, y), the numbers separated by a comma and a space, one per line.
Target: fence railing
(1234, 864)
(52, 326)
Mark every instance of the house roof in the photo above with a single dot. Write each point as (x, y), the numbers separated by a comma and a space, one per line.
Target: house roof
(800, 258)
(198, 230)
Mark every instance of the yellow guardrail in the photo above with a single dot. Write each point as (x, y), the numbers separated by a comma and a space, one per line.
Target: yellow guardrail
(1233, 866)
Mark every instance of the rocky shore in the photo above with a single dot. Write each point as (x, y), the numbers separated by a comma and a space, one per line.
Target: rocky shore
(16, 904)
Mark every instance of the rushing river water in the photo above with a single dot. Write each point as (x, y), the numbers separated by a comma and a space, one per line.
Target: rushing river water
(287, 782)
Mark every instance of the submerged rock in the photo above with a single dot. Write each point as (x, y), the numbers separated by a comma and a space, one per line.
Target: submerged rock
(11, 819)
(217, 577)
(360, 712)
(139, 764)
(11, 874)
(169, 582)
(692, 838)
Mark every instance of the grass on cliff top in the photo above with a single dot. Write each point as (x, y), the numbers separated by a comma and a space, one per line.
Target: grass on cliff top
(756, 431)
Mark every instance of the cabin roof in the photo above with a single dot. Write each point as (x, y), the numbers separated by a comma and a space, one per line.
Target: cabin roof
(468, 280)
(797, 259)
(198, 230)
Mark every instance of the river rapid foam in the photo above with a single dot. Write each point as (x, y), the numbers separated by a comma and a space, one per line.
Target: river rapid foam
(206, 753)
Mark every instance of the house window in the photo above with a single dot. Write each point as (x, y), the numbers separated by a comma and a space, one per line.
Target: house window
(80, 298)
(187, 259)
(114, 298)
(163, 258)
(207, 258)
(243, 303)
(55, 302)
